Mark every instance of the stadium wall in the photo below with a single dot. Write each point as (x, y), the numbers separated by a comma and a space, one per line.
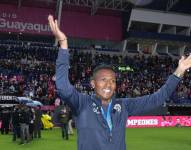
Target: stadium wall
(158, 121)
(74, 23)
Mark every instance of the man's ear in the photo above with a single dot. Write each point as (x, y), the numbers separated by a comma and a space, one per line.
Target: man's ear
(92, 82)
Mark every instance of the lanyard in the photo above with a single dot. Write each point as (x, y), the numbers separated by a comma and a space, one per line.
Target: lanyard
(107, 116)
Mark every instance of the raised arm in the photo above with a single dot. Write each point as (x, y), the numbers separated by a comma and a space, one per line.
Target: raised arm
(59, 35)
(148, 102)
(183, 65)
(64, 89)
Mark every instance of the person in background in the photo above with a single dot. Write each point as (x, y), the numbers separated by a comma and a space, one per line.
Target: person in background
(24, 121)
(31, 123)
(37, 122)
(64, 119)
(47, 120)
(5, 121)
(70, 122)
(15, 122)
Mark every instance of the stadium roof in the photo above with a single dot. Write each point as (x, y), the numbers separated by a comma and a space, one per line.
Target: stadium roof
(178, 6)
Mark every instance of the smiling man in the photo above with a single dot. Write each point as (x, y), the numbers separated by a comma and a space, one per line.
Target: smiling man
(101, 117)
(104, 82)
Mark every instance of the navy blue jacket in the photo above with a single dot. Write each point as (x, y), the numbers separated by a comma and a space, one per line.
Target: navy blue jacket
(93, 130)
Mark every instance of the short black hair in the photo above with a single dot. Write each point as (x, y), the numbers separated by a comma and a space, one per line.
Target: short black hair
(100, 67)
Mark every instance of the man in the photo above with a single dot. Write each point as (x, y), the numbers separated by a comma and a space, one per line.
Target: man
(101, 118)
(64, 119)
(24, 124)
(5, 121)
(31, 123)
(37, 122)
(70, 123)
(15, 122)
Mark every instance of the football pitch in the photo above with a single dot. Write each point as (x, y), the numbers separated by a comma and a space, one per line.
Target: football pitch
(136, 139)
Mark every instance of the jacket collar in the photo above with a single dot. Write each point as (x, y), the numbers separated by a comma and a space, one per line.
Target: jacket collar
(97, 100)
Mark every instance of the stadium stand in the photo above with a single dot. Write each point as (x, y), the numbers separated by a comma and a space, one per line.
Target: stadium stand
(143, 55)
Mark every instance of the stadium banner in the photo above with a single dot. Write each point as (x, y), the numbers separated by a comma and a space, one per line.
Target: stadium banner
(7, 101)
(7, 98)
(73, 23)
(158, 121)
(24, 19)
(84, 25)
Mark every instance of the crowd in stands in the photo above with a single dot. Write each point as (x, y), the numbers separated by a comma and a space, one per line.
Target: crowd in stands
(28, 69)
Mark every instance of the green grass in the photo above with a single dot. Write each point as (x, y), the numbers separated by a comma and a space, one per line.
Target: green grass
(158, 139)
(137, 139)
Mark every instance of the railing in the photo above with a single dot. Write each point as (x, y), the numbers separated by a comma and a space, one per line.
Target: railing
(161, 36)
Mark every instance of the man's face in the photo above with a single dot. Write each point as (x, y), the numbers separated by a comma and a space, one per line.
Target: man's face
(104, 84)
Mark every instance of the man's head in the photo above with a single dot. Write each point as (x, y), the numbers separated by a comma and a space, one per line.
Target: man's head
(104, 82)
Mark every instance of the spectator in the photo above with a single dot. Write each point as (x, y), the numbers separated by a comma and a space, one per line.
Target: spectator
(15, 122)
(5, 121)
(64, 119)
(37, 122)
(24, 124)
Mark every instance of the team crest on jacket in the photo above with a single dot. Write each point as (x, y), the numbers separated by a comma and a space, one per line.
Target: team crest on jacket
(95, 108)
(117, 107)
